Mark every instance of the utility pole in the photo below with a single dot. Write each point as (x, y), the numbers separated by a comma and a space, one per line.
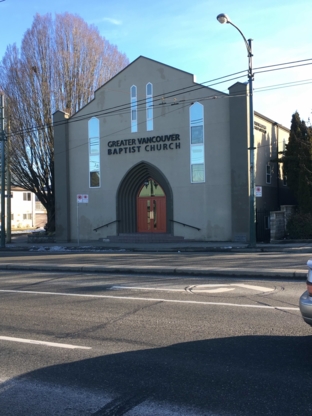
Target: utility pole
(2, 142)
(9, 195)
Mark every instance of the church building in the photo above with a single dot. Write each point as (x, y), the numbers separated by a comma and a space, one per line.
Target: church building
(156, 153)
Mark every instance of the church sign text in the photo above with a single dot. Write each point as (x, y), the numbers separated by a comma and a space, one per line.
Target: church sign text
(148, 144)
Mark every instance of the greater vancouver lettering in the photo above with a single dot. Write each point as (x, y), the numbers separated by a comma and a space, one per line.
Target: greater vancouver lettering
(154, 143)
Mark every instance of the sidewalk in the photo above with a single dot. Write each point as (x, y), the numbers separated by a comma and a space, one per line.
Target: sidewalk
(20, 242)
(280, 260)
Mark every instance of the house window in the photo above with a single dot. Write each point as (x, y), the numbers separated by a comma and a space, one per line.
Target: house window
(26, 196)
(27, 216)
(197, 146)
(149, 107)
(268, 174)
(94, 152)
(134, 111)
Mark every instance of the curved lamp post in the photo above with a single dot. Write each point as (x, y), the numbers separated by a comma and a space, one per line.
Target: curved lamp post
(223, 18)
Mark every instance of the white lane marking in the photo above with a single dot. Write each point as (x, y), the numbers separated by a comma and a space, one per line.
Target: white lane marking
(49, 344)
(224, 287)
(163, 289)
(219, 288)
(151, 299)
(253, 287)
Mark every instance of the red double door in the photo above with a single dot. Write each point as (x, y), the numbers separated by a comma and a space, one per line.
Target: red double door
(151, 214)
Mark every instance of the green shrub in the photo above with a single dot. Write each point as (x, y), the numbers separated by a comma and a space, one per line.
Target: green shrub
(300, 226)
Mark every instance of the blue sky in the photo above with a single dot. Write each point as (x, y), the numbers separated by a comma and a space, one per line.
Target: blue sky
(186, 35)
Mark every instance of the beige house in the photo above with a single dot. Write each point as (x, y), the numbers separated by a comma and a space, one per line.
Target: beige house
(26, 210)
(155, 153)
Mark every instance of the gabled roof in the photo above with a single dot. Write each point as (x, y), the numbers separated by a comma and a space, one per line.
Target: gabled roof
(141, 57)
(148, 59)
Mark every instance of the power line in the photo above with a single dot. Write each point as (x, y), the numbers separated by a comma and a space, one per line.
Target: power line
(181, 91)
(286, 63)
(286, 67)
(284, 85)
(126, 107)
(120, 109)
(184, 104)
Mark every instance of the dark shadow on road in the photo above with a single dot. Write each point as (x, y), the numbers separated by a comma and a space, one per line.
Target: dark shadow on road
(249, 375)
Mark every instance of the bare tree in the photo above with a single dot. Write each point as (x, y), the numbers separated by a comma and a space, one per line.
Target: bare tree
(61, 63)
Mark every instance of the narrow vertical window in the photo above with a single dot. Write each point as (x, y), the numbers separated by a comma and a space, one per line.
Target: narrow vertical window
(197, 145)
(134, 110)
(268, 174)
(94, 152)
(266, 222)
(149, 107)
(284, 178)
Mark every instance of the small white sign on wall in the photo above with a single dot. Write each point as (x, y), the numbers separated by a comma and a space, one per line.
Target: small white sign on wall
(258, 191)
(82, 198)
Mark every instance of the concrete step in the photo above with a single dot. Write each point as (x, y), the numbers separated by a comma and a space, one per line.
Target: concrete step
(144, 238)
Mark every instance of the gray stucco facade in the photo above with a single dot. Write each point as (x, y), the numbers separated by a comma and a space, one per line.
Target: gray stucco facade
(200, 170)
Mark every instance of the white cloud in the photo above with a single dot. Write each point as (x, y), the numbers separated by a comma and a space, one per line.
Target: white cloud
(112, 21)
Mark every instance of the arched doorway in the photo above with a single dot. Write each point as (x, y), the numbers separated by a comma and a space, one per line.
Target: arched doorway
(151, 208)
(128, 193)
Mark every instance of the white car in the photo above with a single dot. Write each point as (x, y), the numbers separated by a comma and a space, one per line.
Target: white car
(305, 302)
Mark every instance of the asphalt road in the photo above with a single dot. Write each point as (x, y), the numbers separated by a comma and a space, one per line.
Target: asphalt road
(92, 344)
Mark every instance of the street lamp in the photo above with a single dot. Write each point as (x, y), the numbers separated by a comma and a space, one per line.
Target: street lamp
(223, 18)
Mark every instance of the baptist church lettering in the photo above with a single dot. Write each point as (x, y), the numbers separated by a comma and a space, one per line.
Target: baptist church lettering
(154, 143)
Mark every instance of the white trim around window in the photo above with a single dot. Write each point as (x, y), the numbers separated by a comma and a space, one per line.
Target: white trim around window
(134, 110)
(197, 143)
(149, 107)
(94, 152)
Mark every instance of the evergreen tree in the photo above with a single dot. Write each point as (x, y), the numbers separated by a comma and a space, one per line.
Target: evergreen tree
(298, 163)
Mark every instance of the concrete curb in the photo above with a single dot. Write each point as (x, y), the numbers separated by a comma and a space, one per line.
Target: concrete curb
(161, 249)
(272, 274)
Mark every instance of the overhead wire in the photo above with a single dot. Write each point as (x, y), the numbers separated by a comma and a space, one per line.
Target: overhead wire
(190, 88)
(285, 63)
(279, 69)
(284, 85)
(184, 104)
(121, 109)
